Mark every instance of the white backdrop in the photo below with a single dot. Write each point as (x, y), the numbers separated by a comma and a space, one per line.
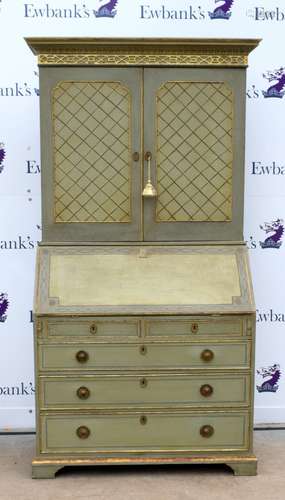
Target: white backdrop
(20, 168)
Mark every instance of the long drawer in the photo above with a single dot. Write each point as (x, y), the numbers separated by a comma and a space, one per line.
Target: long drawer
(144, 432)
(143, 390)
(135, 356)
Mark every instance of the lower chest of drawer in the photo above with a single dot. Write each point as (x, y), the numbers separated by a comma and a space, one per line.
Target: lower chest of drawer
(84, 357)
(144, 432)
(142, 390)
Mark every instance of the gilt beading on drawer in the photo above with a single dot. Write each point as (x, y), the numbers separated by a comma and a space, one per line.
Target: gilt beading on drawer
(144, 355)
(152, 432)
(142, 390)
(92, 327)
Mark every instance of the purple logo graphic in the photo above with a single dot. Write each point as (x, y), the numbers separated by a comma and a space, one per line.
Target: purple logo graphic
(4, 303)
(36, 89)
(275, 90)
(276, 228)
(2, 156)
(272, 374)
(223, 11)
(107, 10)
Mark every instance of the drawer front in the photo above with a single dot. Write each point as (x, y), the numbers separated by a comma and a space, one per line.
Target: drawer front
(144, 432)
(92, 328)
(143, 390)
(195, 327)
(144, 356)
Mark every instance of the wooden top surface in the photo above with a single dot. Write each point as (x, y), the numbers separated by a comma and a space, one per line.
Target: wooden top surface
(42, 45)
(143, 280)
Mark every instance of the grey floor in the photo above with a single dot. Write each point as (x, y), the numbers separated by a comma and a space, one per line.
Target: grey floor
(143, 483)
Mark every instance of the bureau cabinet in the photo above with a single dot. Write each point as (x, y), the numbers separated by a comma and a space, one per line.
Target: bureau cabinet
(144, 310)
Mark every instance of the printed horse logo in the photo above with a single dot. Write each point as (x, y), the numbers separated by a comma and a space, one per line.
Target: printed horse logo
(272, 374)
(275, 90)
(2, 156)
(107, 10)
(4, 303)
(223, 11)
(275, 227)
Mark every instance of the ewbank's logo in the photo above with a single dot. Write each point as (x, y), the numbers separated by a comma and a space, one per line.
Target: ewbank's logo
(2, 156)
(272, 374)
(276, 228)
(107, 10)
(275, 90)
(4, 303)
(223, 11)
(266, 14)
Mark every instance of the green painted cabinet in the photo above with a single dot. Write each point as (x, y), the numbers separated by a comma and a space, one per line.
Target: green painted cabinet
(144, 310)
(104, 126)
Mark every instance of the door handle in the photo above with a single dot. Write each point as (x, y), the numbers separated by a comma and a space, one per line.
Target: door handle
(149, 189)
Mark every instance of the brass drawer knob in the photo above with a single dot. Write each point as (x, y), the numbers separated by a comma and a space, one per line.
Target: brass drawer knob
(143, 382)
(206, 390)
(83, 392)
(83, 432)
(194, 328)
(207, 431)
(143, 349)
(82, 356)
(93, 328)
(207, 355)
(143, 420)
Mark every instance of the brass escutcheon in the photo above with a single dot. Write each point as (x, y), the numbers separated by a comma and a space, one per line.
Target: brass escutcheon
(93, 328)
(143, 419)
(82, 356)
(207, 355)
(207, 431)
(83, 432)
(143, 349)
(194, 327)
(83, 392)
(136, 156)
(143, 382)
(206, 390)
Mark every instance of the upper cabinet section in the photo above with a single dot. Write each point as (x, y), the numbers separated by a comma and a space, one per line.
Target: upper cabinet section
(142, 140)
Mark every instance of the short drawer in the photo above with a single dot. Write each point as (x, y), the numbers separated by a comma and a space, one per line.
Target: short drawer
(92, 328)
(143, 356)
(195, 327)
(143, 390)
(144, 432)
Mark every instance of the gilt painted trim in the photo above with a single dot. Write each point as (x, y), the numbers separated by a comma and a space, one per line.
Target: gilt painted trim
(109, 59)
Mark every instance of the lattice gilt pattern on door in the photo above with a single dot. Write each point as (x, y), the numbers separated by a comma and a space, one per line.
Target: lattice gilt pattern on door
(194, 151)
(91, 126)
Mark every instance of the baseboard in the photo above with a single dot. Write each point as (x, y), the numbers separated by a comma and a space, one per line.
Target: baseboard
(17, 420)
(269, 416)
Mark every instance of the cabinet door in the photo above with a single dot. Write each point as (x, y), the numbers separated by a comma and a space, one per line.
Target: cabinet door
(194, 130)
(91, 128)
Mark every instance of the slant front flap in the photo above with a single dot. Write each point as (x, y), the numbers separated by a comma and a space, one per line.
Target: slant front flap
(143, 280)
